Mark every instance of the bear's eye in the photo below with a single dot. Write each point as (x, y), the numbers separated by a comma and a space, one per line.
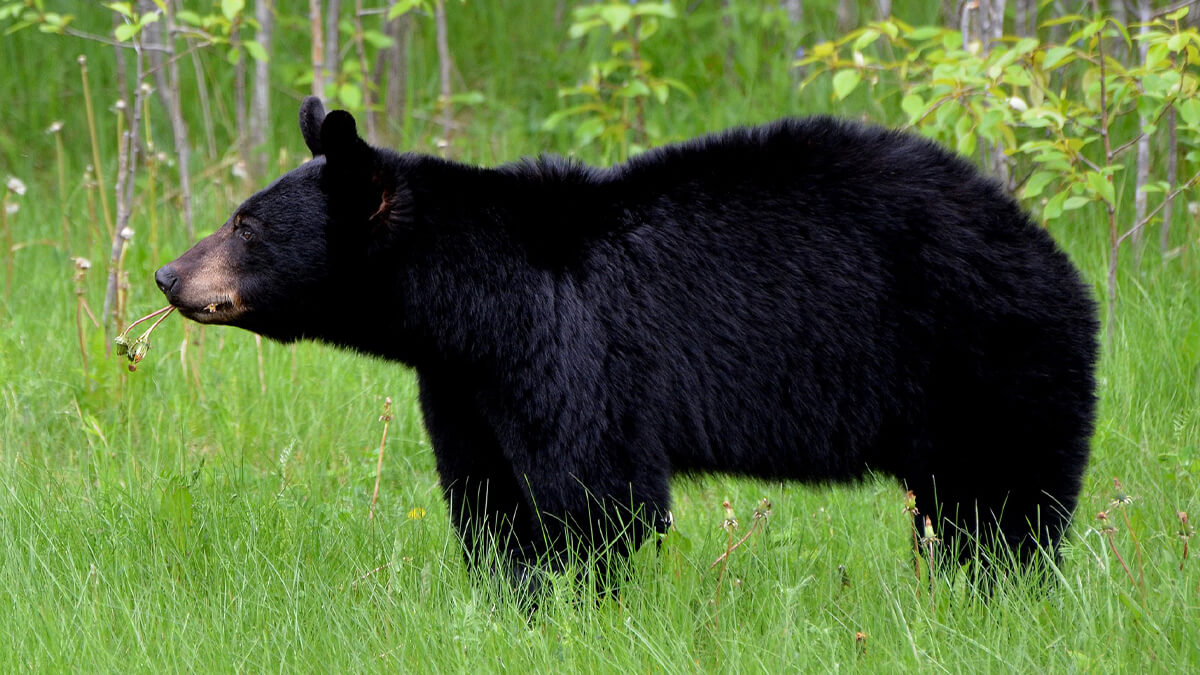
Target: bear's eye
(246, 233)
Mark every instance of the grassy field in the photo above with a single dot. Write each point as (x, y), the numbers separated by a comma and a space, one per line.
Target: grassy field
(209, 513)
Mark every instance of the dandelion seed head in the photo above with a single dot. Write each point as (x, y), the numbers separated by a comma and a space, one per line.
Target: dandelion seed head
(15, 185)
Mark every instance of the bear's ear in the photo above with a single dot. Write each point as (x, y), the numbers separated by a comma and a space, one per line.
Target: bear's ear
(352, 165)
(312, 113)
(340, 141)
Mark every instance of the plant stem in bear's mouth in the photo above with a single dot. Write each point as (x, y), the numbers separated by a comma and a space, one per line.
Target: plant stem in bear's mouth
(136, 350)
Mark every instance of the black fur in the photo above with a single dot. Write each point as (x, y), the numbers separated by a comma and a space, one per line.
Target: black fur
(809, 300)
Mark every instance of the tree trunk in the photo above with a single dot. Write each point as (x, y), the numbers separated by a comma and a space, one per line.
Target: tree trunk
(165, 66)
(397, 71)
(365, 78)
(122, 74)
(126, 172)
(1145, 12)
(179, 130)
(885, 9)
(991, 22)
(318, 49)
(443, 49)
(560, 14)
(1025, 18)
(154, 34)
(846, 11)
(333, 55)
(795, 11)
(260, 98)
(996, 21)
(239, 98)
(964, 23)
(1120, 14)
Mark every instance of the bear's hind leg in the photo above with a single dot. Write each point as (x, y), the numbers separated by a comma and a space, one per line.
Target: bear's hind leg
(1002, 500)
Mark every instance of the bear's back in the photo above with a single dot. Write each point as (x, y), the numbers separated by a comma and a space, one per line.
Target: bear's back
(750, 277)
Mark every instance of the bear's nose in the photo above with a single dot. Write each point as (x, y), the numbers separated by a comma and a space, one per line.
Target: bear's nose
(167, 279)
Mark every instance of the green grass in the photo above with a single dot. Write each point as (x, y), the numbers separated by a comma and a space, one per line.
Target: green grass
(172, 520)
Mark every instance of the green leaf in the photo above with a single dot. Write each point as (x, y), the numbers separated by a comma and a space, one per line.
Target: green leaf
(125, 31)
(11, 11)
(634, 89)
(231, 8)
(1017, 75)
(189, 17)
(125, 9)
(1054, 207)
(1024, 46)
(925, 33)
(255, 50)
(1189, 111)
(1057, 56)
(468, 98)
(1069, 18)
(401, 7)
(844, 82)
(1087, 31)
(588, 130)
(1101, 186)
(647, 28)
(868, 36)
(579, 29)
(822, 50)
(1038, 182)
(1073, 203)
(377, 39)
(678, 85)
(1156, 55)
(558, 116)
(1177, 14)
(964, 135)
(661, 91)
(350, 95)
(616, 16)
(913, 106)
(663, 9)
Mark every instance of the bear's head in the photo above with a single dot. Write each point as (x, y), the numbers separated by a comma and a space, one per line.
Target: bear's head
(287, 259)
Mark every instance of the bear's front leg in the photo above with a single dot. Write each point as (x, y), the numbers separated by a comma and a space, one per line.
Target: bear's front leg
(487, 506)
(594, 499)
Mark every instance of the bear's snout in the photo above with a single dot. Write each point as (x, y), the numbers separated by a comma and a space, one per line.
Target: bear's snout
(167, 279)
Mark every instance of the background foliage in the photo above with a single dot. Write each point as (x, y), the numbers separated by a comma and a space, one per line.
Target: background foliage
(211, 510)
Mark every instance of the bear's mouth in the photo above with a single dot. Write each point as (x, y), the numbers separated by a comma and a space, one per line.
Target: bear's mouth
(219, 310)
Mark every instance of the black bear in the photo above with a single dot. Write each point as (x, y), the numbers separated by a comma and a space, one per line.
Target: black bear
(810, 299)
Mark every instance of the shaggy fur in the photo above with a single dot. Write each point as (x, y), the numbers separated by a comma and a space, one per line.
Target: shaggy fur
(809, 300)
